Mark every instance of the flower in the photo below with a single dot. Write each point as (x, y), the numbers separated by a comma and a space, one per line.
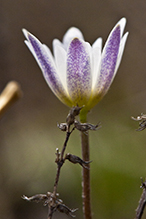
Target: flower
(79, 74)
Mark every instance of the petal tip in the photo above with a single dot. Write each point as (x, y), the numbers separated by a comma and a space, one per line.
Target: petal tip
(122, 21)
(25, 32)
(122, 24)
(71, 33)
(28, 35)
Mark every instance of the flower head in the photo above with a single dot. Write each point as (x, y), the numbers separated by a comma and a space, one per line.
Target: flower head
(79, 74)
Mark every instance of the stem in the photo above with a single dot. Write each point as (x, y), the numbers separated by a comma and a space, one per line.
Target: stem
(10, 94)
(85, 172)
(142, 202)
(60, 163)
(65, 144)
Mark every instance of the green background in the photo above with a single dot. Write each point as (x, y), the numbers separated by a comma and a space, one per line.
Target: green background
(28, 131)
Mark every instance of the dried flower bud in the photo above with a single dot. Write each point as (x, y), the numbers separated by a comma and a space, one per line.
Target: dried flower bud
(83, 127)
(62, 126)
(75, 159)
(72, 113)
(75, 111)
(64, 209)
(70, 119)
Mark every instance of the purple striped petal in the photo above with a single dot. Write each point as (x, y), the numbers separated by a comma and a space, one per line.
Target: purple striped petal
(72, 33)
(78, 72)
(108, 62)
(121, 50)
(45, 60)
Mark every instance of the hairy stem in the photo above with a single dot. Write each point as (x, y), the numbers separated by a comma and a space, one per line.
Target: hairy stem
(85, 174)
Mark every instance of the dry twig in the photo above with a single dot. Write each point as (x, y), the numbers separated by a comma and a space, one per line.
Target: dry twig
(10, 94)
(142, 202)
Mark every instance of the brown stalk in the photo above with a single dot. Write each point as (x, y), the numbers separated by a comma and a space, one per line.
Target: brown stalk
(10, 95)
(86, 177)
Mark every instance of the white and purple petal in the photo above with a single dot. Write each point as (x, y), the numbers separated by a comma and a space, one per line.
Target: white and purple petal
(78, 72)
(45, 60)
(60, 60)
(72, 33)
(121, 50)
(122, 23)
(96, 58)
(108, 62)
(97, 43)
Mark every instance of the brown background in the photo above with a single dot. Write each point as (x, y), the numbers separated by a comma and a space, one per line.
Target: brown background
(28, 133)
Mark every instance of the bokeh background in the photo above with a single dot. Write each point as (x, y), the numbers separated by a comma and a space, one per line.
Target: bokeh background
(28, 132)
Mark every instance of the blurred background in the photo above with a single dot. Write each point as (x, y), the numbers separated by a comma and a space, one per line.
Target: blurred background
(28, 131)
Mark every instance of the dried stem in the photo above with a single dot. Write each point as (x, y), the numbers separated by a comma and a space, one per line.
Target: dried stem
(10, 94)
(60, 161)
(142, 202)
(65, 144)
(51, 211)
(51, 198)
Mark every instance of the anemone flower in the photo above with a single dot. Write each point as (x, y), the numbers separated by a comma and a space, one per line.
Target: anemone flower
(79, 74)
